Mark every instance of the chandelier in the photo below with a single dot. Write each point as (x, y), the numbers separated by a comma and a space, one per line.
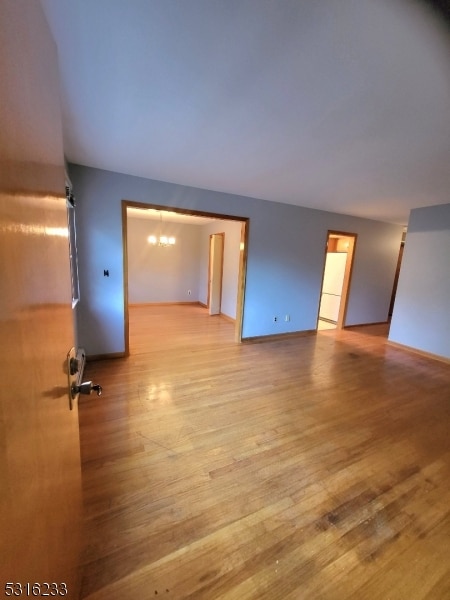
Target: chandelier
(161, 240)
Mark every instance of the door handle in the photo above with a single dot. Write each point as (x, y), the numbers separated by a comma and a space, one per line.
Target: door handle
(86, 388)
(74, 369)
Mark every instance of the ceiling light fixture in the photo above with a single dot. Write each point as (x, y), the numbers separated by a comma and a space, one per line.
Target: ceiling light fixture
(161, 240)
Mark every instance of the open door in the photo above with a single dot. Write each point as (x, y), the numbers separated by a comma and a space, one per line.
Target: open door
(216, 245)
(40, 473)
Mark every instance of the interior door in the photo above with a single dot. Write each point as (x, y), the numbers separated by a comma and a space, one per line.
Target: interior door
(40, 475)
(216, 244)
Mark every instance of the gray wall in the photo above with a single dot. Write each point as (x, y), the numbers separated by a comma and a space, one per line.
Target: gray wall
(285, 256)
(421, 317)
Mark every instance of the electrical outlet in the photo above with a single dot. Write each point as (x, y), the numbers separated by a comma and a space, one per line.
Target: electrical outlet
(275, 319)
(287, 318)
(189, 292)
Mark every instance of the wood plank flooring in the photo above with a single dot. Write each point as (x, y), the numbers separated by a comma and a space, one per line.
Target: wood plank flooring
(307, 468)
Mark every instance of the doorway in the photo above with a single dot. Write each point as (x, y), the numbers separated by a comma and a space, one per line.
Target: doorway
(243, 221)
(339, 253)
(215, 272)
(397, 273)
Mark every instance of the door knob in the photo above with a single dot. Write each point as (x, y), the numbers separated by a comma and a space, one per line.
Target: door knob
(87, 387)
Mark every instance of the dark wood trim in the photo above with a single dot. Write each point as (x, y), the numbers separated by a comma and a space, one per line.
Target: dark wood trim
(366, 324)
(347, 280)
(184, 211)
(243, 252)
(279, 336)
(197, 213)
(396, 278)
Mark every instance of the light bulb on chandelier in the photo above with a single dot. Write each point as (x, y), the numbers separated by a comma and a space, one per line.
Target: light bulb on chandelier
(161, 240)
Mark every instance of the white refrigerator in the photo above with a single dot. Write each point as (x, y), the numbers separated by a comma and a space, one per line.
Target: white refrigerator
(333, 281)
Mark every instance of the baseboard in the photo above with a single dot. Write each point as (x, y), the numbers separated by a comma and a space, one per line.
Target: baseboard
(202, 304)
(91, 357)
(279, 336)
(366, 324)
(419, 352)
(227, 318)
(143, 304)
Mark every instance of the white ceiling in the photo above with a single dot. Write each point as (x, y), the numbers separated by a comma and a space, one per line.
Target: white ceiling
(342, 105)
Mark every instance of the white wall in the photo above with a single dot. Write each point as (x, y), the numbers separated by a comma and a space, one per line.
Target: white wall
(167, 274)
(286, 254)
(231, 255)
(421, 317)
(158, 274)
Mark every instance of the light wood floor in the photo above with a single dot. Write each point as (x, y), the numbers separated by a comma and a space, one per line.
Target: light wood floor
(312, 468)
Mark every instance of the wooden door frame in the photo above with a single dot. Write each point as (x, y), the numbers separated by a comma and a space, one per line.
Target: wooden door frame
(222, 234)
(396, 278)
(245, 222)
(347, 275)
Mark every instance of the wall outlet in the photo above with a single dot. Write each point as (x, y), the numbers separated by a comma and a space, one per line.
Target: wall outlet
(287, 318)
(189, 292)
(275, 319)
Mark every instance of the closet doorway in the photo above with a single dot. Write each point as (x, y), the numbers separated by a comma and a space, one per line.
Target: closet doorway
(337, 271)
(215, 272)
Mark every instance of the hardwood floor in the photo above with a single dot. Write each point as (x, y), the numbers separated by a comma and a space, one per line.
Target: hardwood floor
(309, 468)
